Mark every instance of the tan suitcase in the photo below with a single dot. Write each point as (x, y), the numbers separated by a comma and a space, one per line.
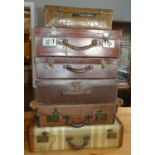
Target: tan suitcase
(77, 17)
(66, 138)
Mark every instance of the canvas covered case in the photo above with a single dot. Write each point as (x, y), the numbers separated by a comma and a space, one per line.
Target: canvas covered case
(72, 42)
(77, 17)
(76, 115)
(76, 91)
(66, 138)
(83, 68)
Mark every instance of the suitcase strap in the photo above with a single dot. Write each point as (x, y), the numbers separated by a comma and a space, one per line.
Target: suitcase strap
(74, 146)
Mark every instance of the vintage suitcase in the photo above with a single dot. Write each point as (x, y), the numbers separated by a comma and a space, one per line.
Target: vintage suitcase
(76, 91)
(62, 16)
(71, 42)
(56, 67)
(65, 138)
(76, 115)
(27, 51)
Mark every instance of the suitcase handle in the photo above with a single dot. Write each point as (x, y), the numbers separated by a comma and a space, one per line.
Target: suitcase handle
(68, 121)
(78, 70)
(67, 44)
(69, 139)
(119, 102)
(84, 15)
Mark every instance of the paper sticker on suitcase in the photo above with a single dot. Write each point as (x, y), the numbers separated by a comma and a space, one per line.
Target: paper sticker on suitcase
(66, 138)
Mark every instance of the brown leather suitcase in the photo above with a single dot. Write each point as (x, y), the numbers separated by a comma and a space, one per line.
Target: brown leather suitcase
(68, 138)
(88, 68)
(71, 42)
(76, 91)
(62, 16)
(76, 115)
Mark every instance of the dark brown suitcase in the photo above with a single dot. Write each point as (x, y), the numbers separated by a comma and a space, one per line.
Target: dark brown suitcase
(56, 67)
(76, 115)
(62, 16)
(71, 42)
(76, 91)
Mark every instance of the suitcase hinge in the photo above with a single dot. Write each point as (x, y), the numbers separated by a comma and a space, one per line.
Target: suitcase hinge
(36, 60)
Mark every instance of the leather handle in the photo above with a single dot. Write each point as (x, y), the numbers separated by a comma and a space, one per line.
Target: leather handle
(67, 44)
(74, 146)
(119, 102)
(70, 123)
(78, 70)
(84, 15)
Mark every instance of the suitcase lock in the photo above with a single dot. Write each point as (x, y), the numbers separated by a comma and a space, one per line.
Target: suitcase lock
(111, 134)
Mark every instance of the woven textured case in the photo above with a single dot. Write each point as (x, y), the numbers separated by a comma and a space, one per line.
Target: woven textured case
(76, 17)
(64, 138)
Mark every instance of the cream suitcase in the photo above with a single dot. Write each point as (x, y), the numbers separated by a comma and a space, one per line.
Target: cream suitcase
(65, 138)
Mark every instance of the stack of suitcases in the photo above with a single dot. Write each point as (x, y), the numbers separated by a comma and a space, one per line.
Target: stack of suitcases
(76, 68)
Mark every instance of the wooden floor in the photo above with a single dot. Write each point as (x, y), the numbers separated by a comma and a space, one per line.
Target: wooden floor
(124, 115)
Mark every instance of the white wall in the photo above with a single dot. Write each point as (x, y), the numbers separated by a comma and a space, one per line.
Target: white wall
(122, 8)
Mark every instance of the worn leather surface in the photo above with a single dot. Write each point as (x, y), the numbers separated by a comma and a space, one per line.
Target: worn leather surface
(84, 68)
(73, 42)
(61, 16)
(79, 91)
(105, 112)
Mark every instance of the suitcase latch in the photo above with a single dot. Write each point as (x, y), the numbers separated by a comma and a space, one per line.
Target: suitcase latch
(43, 138)
(54, 117)
(111, 134)
(49, 64)
(105, 65)
(107, 42)
(101, 116)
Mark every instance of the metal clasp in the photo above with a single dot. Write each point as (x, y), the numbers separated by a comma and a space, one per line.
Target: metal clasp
(101, 116)
(49, 64)
(43, 138)
(76, 86)
(105, 65)
(111, 134)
